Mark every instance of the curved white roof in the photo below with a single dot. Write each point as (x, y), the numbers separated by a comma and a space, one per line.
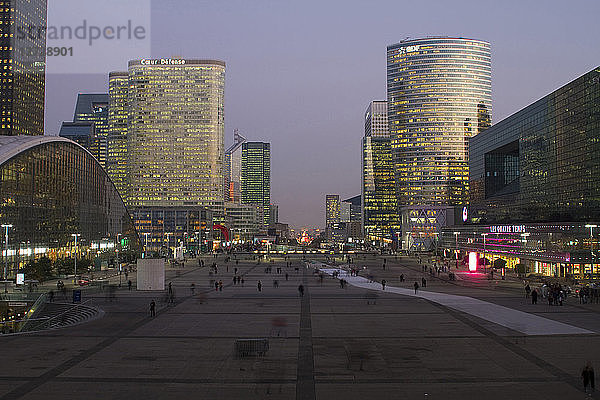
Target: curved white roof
(11, 146)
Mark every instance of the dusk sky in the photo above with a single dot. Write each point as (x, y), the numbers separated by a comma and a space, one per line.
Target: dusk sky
(300, 74)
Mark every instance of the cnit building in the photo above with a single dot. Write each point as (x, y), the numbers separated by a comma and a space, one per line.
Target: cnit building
(535, 187)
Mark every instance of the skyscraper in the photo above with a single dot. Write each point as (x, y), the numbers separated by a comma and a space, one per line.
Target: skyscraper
(90, 118)
(175, 132)
(332, 213)
(379, 203)
(233, 168)
(256, 177)
(118, 114)
(23, 54)
(439, 95)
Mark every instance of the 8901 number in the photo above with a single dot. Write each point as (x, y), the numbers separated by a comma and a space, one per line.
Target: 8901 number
(59, 51)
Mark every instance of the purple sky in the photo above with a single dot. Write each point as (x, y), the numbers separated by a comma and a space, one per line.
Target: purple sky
(300, 74)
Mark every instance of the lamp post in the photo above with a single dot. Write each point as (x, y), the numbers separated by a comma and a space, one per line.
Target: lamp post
(6, 227)
(591, 245)
(484, 258)
(456, 246)
(146, 243)
(75, 235)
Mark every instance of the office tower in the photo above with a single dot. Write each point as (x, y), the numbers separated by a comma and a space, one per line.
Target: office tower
(332, 213)
(345, 211)
(355, 208)
(233, 168)
(93, 108)
(256, 177)
(439, 95)
(376, 119)
(23, 54)
(273, 214)
(379, 205)
(118, 114)
(175, 132)
(90, 124)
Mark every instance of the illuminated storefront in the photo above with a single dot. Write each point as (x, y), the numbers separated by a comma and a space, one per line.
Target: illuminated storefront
(551, 249)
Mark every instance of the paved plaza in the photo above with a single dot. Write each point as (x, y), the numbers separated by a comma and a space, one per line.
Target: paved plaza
(469, 338)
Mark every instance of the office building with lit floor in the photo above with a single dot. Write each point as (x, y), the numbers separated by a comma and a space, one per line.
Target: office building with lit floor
(255, 180)
(166, 137)
(176, 132)
(535, 186)
(52, 189)
(439, 96)
(379, 203)
(23, 79)
(90, 124)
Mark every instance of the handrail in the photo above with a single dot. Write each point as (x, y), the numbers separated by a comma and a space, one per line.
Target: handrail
(65, 312)
(33, 310)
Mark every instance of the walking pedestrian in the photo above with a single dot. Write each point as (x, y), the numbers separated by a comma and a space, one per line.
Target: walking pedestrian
(534, 296)
(286, 276)
(129, 284)
(587, 375)
(220, 286)
(401, 277)
(416, 285)
(383, 284)
(242, 280)
(152, 308)
(216, 286)
(423, 282)
(301, 290)
(193, 288)
(259, 286)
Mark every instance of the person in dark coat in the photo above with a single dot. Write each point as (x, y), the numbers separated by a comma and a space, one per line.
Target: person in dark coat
(534, 296)
(587, 375)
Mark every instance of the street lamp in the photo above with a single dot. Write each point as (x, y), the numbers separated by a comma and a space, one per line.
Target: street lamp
(146, 243)
(75, 235)
(592, 256)
(484, 258)
(456, 246)
(6, 227)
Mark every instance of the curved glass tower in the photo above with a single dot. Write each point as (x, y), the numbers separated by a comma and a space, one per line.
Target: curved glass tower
(439, 95)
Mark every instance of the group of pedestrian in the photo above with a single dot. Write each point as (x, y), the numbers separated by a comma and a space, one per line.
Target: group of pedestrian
(238, 279)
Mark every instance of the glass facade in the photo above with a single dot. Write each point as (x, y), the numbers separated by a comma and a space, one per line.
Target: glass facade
(22, 66)
(118, 114)
(332, 213)
(176, 132)
(380, 207)
(439, 96)
(541, 163)
(51, 188)
(161, 228)
(548, 249)
(91, 111)
(256, 176)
